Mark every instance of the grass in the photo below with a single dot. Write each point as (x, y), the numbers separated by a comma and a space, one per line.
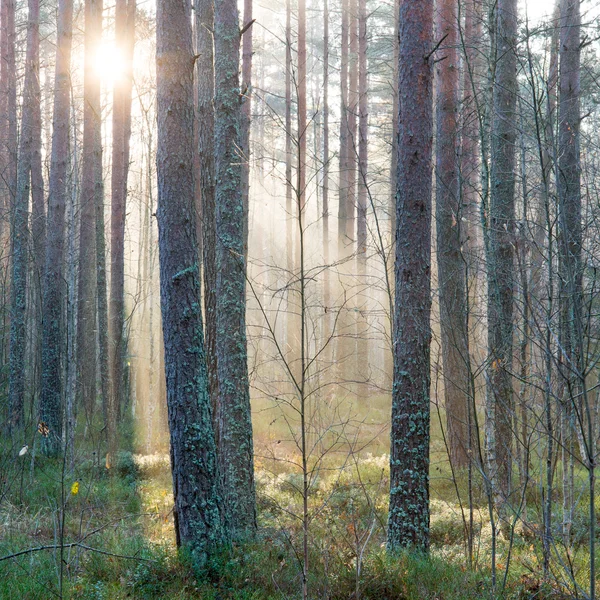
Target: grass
(123, 515)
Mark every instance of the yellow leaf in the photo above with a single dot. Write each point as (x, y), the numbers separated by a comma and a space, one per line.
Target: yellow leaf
(75, 488)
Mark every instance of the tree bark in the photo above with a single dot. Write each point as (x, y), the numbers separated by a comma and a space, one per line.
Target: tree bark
(92, 194)
(450, 216)
(362, 339)
(51, 413)
(501, 264)
(125, 37)
(408, 521)
(246, 116)
(193, 452)
(20, 229)
(205, 72)
(236, 453)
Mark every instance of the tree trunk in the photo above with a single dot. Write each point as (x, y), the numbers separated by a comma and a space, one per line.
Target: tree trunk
(51, 413)
(236, 454)
(92, 194)
(20, 229)
(388, 360)
(501, 262)
(91, 165)
(246, 116)
(325, 208)
(8, 108)
(206, 133)
(449, 217)
(343, 156)
(125, 37)
(362, 326)
(195, 473)
(408, 524)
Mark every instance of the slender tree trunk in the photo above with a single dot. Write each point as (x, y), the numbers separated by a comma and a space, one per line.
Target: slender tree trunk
(388, 360)
(205, 72)
(51, 413)
(86, 303)
(92, 192)
(343, 156)
(38, 212)
(246, 116)
(20, 229)
(8, 107)
(501, 263)
(362, 340)
(325, 192)
(290, 333)
(470, 163)
(236, 454)
(195, 474)
(449, 217)
(579, 418)
(408, 521)
(124, 36)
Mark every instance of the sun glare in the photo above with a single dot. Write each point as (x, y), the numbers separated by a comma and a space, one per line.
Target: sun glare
(109, 64)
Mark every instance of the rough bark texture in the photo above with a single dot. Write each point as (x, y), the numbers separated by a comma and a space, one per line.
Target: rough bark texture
(92, 194)
(125, 36)
(20, 229)
(236, 453)
(246, 116)
(449, 223)
(576, 420)
(205, 70)
(93, 30)
(193, 450)
(53, 289)
(501, 265)
(569, 188)
(408, 524)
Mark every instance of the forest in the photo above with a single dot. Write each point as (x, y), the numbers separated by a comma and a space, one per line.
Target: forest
(299, 299)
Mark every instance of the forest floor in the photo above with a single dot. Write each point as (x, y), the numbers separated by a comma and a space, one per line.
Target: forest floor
(107, 533)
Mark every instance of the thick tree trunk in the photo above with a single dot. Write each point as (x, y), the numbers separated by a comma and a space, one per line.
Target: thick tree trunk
(501, 262)
(236, 453)
(51, 413)
(193, 451)
(408, 522)
(449, 217)
(205, 72)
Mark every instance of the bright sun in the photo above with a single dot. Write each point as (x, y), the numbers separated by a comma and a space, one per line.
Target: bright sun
(109, 63)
